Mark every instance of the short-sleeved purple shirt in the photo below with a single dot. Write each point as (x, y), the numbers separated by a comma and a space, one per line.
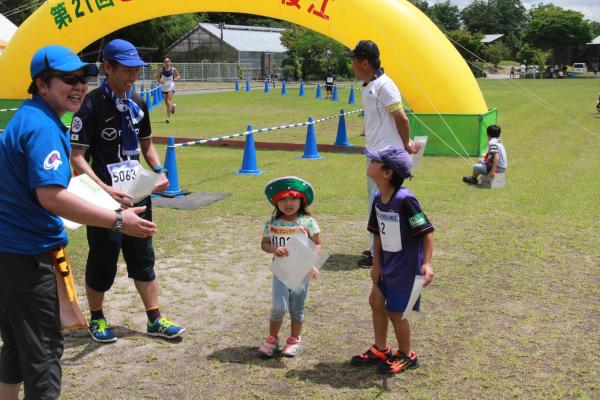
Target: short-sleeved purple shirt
(399, 268)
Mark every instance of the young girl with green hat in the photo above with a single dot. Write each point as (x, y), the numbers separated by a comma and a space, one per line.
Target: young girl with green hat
(291, 197)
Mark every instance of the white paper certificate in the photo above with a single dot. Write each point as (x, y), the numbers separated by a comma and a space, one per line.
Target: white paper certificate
(84, 187)
(414, 295)
(292, 269)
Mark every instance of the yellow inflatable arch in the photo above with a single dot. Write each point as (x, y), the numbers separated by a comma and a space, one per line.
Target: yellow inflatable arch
(430, 73)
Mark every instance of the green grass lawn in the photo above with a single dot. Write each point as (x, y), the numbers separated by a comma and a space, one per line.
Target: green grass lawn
(513, 311)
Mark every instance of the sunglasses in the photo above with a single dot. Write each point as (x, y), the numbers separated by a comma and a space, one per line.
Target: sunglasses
(72, 79)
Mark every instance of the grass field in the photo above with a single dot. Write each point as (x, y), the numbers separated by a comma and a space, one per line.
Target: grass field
(513, 311)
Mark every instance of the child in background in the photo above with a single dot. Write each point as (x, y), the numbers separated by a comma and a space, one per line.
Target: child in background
(494, 161)
(291, 197)
(403, 249)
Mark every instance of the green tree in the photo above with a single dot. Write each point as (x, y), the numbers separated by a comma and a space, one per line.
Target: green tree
(554, 28)
(469, 46)
(316, 53)
(17, 11)
(420, 4)
(245, 19)
(496, 52)
(445, 15)
(477, 17)
(495, 16)
(158, 33)
(595, 26)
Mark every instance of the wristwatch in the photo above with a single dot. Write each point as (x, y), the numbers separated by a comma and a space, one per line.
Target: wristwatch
(159, 169)
(118, 225)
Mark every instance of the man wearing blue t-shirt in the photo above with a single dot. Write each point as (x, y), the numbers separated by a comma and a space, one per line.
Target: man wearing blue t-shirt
(34, 175)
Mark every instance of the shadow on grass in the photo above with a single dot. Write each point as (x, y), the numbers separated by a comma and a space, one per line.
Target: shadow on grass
(81, 341)
(340, 375)
(342, 262)
(246, 355)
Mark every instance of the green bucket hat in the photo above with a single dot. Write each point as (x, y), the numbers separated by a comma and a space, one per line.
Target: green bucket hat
(289, 185)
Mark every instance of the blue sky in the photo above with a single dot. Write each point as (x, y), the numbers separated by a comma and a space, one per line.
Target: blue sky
(589, 8)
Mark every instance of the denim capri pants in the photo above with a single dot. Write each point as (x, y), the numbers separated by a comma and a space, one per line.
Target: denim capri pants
(284, 299)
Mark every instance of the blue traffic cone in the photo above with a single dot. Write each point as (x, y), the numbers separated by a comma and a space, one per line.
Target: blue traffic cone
(249, 165)
(142, 91)
(237, 85)
(283, 89)
(342, 135)
(310, 147)
(334, 96)
(267, 86)
(133, 88)
(301, 92)
(247, 85)
(160, 95)
(318, 95)
(351, 99)
(149, 101)
(171, 166)
(155, 100)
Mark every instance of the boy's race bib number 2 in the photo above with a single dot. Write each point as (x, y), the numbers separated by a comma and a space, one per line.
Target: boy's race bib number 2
(123, 174)
(389, 231)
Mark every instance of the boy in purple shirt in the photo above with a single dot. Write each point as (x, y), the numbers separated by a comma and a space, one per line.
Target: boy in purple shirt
(403, 248)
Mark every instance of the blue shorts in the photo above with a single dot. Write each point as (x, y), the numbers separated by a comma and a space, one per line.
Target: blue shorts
(397, 301)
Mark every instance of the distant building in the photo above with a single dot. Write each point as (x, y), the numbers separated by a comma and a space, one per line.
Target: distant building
(488, 39)
(258, 46)
(593, 55)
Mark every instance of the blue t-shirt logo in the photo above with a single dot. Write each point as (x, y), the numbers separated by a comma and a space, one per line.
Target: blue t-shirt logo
(52, 160)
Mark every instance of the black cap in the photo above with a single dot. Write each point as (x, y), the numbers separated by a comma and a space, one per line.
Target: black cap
(365, 49)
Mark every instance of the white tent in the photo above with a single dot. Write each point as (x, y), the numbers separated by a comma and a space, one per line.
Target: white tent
(7, 29)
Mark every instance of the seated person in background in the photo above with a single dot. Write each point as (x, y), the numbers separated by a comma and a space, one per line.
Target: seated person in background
(494, 161)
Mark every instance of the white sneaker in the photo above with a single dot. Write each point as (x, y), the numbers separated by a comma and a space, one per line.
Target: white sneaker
(293, 347)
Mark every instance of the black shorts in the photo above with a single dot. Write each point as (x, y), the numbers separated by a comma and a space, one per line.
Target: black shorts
(105, 246)
(30, 325)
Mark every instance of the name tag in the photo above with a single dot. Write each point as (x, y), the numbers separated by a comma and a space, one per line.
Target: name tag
(123, 174)
(389, 230)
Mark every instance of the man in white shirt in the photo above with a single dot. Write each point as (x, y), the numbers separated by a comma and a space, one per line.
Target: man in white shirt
(386, 123)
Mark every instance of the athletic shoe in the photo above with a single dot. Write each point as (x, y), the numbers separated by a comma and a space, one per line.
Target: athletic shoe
(269, 347)
(293, 347)
(173, 108)
(366, 253)
(164, 328)
(101, 332)
(372, 356)
(470, 180)
(167, 121)
(399, 362)
(365, 262)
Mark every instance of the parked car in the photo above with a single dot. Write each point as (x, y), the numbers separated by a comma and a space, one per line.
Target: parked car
(579, 67)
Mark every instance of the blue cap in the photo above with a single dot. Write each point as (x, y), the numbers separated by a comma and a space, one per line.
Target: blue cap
(123, 52)
(59, 58)
(393, 157)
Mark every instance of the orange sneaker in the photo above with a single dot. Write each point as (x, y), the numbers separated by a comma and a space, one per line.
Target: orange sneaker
(372, 356)
(399, 362)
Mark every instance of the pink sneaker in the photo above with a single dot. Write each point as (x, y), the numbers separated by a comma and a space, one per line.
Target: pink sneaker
(269, 347)
(293, 347)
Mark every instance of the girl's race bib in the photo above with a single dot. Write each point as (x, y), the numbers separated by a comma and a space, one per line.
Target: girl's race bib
(281, 234)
